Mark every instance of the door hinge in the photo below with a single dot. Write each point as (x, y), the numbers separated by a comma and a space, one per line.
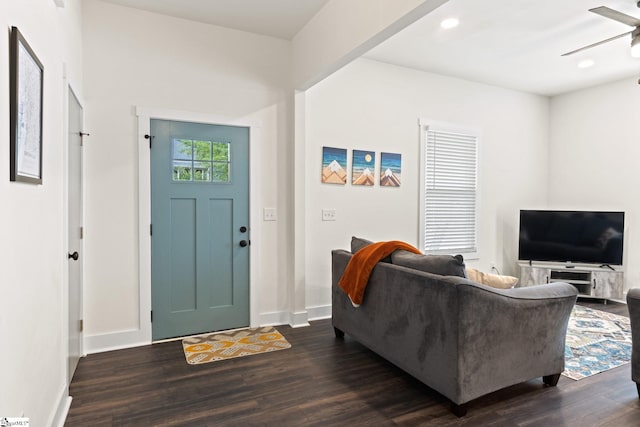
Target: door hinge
(151, 229)
(150, 138)
(81, 325)
(82, 232)
(151, 315)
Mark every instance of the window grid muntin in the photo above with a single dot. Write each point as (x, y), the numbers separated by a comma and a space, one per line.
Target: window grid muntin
(195, 160)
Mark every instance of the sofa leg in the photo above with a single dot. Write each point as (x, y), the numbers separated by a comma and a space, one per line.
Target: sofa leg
(338, 332)
(638, 387)
(459, 410)
(551, 380)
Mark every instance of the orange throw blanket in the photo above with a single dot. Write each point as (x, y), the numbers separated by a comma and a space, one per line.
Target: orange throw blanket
(356, 276)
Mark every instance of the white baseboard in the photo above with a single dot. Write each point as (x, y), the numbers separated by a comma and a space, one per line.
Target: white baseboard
(295, 320)
(114, 341)
(299, 319)
(64, 403)
(319, 312)
(274, 319)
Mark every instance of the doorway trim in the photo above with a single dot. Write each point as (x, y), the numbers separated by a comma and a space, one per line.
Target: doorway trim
(145, 114)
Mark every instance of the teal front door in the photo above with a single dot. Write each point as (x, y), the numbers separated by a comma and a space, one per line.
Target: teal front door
(199, 228)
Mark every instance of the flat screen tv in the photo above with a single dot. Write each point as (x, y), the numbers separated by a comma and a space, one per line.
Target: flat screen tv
(585, 237)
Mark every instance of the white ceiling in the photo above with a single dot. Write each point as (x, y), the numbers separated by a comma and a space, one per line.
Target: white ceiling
(510, 43)
(518, 44)
(276, 18)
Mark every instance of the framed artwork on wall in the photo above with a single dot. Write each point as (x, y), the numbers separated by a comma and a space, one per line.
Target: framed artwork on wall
(26, 80)
(390, 169)
(363, 167)
(334, 165)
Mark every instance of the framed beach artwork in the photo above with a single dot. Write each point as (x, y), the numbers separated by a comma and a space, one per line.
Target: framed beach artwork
(25, 92)
(334, 165)
(390, 169)
(363, 167)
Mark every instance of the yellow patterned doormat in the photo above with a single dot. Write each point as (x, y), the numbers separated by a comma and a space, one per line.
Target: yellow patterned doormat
(227, 345)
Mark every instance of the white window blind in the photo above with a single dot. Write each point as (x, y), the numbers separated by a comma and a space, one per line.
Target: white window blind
(450, 192)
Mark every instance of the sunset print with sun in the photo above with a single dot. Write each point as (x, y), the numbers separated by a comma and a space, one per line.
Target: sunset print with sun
(363, 167)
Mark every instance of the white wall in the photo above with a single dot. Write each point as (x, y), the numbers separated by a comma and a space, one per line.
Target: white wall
(375, 106)
(135, 58)
(593, 157)
(33, 288)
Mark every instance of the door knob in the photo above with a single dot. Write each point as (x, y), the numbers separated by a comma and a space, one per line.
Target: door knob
(243, 243)
(74, 256)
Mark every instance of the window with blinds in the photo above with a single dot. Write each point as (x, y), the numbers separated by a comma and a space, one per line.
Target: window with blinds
(449, 205)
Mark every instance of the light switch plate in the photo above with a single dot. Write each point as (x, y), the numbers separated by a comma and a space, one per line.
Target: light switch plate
(269, 214)
(328, 214)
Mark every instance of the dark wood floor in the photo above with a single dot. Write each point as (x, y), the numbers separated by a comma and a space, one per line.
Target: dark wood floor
(322, 381)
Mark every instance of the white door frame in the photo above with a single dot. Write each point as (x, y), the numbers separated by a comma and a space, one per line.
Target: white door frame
(145, 115)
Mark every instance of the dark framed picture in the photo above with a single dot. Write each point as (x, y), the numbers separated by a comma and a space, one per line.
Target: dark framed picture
(25, 91)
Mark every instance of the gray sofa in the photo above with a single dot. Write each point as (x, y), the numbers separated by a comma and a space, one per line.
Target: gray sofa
(633, 304)
(460, 338)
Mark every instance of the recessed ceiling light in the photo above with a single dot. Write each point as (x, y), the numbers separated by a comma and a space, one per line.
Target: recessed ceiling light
(449, 23)
(586, 63)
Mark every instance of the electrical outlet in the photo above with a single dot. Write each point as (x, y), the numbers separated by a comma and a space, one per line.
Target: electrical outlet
(328, 214)
(269, 214)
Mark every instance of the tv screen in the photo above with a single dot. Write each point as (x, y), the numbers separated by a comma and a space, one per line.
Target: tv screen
(571, 236)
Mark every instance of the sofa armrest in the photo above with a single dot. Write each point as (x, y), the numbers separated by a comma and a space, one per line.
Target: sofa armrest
(512, 335)
(633, 304)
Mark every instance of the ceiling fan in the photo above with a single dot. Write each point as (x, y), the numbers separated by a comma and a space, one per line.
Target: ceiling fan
(620, 17)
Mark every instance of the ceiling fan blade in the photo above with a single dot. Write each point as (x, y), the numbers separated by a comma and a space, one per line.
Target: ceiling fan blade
(616, 16)
(596, 44)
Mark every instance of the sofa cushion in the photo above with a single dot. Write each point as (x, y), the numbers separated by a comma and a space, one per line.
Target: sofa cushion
(493, 280)
(358, 243)
(444, 265)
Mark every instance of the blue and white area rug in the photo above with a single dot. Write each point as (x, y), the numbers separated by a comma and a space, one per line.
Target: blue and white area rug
(596, 341)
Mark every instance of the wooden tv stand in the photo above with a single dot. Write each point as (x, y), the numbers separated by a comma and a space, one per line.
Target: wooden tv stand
(591, 281)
